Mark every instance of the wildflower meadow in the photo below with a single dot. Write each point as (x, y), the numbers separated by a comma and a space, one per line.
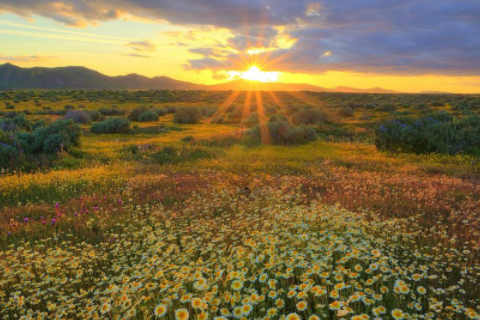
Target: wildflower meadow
(235, 211)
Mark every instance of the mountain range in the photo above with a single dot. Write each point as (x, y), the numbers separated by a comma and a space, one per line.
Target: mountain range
(80, 78)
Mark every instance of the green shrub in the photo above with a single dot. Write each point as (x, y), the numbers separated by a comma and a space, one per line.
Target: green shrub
(61, 135)
(148, 116)
(440, 133)
(112, 112)
(335, 130)
(171, 109)
(187, 115)
(18, 122)
(309, 116)
(251, 121)
(278, 118)
(135, 114)
(161, 112)
(53, 143)
(78, 116)
(282, 133)
(96, 115)
(346, 112)
(143, 114)
(112, 125)
(8, 155)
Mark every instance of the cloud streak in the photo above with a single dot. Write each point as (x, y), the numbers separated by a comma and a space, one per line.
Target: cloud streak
(135, 55)
(142, 45)
(25, 58)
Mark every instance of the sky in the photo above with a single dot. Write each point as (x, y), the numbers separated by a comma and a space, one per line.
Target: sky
(403, 45)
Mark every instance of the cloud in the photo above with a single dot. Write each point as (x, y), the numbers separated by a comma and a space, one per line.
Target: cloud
(136, 55)
(25, 58)
(258, 37)
(224, 13)
(365, 36)
(381, 37)
(143, 45)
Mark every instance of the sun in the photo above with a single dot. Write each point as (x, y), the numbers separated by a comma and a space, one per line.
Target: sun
(254, 73)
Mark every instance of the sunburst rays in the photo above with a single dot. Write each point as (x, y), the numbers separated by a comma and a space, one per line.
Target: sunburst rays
(262, 118)
(224, 107)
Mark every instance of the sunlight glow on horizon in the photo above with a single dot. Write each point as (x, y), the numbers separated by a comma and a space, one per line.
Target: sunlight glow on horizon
(254, 74)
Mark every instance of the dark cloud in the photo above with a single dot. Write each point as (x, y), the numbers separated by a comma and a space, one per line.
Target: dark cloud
(257, 37)
(394, 37)
(221, 13)
(368, 36)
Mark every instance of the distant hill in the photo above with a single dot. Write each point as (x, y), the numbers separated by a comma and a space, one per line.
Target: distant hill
(435, 92)
(246, 85)
(80, 78)
(355, 90)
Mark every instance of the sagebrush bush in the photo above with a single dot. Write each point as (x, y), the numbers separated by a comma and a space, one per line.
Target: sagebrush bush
(96, 115)
(282, 133)
(78, 116)
(161, 112)
(251, 121)
(135, 114)
(112, 125)
(112, 112)
(346, 112)
(8, 153)
(440, 133)
(61, 135)
(18, 122)
(309, 116)
(148, 116)
(187, 115)
(278, 118)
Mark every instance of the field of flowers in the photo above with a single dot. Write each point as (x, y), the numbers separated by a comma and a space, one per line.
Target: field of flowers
(231, 253)
(192, 223)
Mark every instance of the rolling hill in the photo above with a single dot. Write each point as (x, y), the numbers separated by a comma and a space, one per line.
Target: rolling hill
(80, 78)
